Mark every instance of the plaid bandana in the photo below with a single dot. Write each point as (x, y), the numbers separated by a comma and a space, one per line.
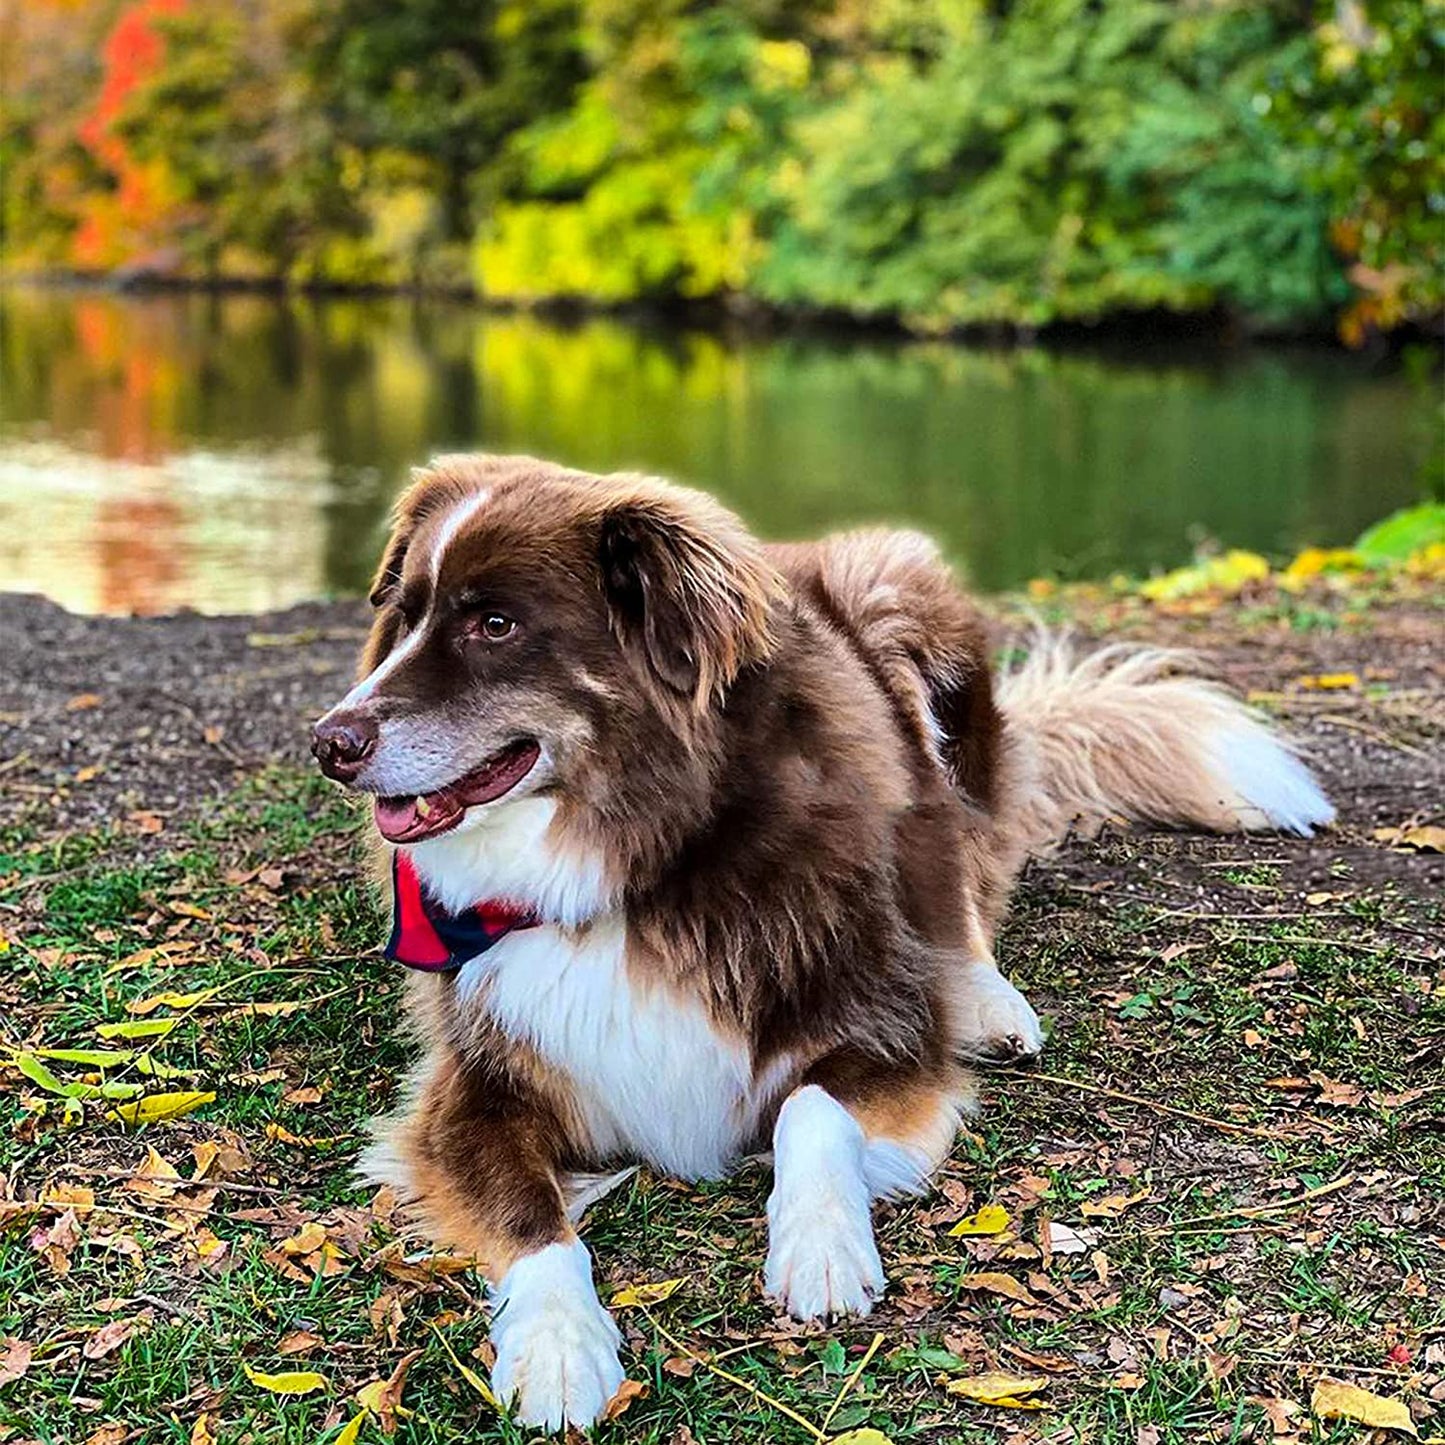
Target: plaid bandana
(425, 936)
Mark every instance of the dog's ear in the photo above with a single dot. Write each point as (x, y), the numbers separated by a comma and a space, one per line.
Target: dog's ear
(688, 590)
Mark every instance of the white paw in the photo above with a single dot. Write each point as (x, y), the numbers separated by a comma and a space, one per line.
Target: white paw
(822, 1260)
(996, 1023)
(556, 1346)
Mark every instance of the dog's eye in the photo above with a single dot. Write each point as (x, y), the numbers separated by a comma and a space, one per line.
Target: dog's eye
(494, 626)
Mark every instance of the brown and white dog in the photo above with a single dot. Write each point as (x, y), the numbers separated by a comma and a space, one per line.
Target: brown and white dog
(740, 823)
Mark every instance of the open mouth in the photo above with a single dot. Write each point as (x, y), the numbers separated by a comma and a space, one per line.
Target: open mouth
(409, 820)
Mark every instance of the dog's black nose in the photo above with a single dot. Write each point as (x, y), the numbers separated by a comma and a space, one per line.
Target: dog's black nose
(342, 742)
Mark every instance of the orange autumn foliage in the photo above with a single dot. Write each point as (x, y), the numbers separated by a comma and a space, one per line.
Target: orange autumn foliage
(125, 223)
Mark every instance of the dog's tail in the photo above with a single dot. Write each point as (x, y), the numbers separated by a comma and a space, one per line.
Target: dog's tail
(1137, 733)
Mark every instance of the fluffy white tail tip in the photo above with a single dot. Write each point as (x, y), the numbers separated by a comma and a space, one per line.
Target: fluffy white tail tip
(1265, 785)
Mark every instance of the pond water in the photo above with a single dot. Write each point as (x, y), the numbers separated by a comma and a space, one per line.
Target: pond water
(239, 452)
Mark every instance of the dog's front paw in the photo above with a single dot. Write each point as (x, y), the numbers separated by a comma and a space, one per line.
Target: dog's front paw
(556, 1346)
(822, 1260)
(996, 1023)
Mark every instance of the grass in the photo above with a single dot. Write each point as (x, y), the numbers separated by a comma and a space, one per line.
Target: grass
(1298, 1045)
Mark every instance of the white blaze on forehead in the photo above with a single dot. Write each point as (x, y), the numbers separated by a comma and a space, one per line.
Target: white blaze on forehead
(456, 519)
(382, 670)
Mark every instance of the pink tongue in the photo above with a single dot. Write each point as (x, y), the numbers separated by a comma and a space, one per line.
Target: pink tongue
(402, 818)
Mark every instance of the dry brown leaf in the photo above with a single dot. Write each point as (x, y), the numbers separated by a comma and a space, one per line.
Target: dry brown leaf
(681, 1366)
(383, 1397)
(1003, 1284)
(109, 1338)
(621, 1402)
(299, 1342)
(1111, 1206)
(111, 1434)
(1335, 1400)
(156, 1179)
(83, 702)
(16, 1359)
(307, 1095)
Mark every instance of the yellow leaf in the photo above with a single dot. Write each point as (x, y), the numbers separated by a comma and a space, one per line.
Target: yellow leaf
(998, 1284)
(470, 1375)
(203, 1431)
(991, 1219)
(1328, 681)
(1428, 839)
(1226, 575)
(157, 1178)
(310, 1237)
(169, 1000)
(865, 1436)
(352, 1433)
(1111, 1206)
(155, 1107)
(1334, 1400)
(137, 1029)
(289, 1382)
(646, 1294)
(1001, 1388)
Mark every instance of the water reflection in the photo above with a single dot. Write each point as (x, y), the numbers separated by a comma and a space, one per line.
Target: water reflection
(239, 452)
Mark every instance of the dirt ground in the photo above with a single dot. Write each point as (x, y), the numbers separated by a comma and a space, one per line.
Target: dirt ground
(1223, 1181)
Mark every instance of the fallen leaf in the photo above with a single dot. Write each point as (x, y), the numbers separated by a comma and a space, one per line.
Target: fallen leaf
(298, 1342)
(1328, 681)
(83, 702)
(289, 1382)
(352, 1433)
(307, 1095)
(203, 1432)
(866, 1436)
(621, 1402)
(156, 1179)
(113, 1434)
(142, 1006)
(109, 1338)
(646, 1294)
(998, 1387)
(137, 1029)
(383, 1397)
(681, 1366)
(1003, 1284)
(309, 1238)
(16, 1360)
(155, 1107)
(470, 1375)
(1111, 1206)
(1065, 1240)
(1335, 1400)
(991, 1219)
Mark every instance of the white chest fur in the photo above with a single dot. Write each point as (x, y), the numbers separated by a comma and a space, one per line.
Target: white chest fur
(653, 1078)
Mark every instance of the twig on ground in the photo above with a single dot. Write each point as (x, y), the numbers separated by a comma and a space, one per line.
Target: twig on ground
(1029, 1076)
(1254, 1211)
(851, 1381)
(732, 1379)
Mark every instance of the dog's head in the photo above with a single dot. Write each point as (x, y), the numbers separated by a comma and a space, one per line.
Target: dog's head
(528, 618)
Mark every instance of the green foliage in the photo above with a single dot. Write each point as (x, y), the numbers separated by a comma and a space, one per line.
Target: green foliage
(943, 162)
(1065, 160)
(1402, 534)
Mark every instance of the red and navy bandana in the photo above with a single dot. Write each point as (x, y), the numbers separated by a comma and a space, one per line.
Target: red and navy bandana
(425, 936)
